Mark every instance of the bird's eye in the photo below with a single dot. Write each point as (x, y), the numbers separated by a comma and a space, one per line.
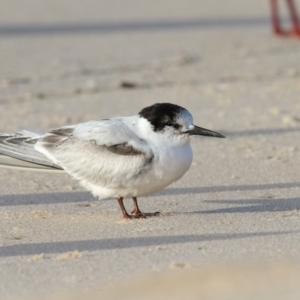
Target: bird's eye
(176, 126)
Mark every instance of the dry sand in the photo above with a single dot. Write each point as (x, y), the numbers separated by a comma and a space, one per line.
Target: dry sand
(238, 204)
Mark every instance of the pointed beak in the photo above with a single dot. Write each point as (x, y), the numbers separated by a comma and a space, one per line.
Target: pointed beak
(202, 131)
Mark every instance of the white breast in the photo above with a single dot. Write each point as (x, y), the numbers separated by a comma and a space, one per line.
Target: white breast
(167, 167)
(173, 163)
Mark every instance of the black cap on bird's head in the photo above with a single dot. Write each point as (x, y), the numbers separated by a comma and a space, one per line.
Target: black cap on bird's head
(162, 115)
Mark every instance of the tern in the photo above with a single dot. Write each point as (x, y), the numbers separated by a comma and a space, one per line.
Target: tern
(119, 157)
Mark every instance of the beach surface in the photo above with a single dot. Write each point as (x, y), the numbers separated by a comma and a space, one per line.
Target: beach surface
(232, 219)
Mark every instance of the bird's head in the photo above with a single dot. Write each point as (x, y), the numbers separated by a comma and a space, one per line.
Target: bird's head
(172, 119)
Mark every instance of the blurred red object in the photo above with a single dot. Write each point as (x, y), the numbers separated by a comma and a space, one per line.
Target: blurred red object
(277, 28)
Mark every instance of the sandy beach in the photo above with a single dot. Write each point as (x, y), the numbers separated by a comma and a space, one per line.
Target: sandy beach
(235, 213)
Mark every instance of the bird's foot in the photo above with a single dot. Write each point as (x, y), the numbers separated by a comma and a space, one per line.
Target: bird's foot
(129, 217)
(139, 214)
(295, 32)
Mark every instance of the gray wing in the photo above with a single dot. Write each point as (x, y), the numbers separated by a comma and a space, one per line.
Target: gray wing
(17, 150)
(102, 152)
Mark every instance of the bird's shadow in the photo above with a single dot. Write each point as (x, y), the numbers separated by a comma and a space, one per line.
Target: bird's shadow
(255, 205)
(45, 198)
(126, 243)
(229, 188)
(240, 206)
(128, 27)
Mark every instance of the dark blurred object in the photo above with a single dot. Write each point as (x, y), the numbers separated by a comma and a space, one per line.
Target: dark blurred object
(277, 28)
(128, 85)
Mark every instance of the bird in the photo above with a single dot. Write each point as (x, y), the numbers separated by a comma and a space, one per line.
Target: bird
(120, 157)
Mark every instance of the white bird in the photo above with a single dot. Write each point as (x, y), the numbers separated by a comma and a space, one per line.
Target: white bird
(119, 157)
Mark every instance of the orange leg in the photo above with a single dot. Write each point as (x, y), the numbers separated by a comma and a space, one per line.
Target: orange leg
(136, 211)
(276, 23)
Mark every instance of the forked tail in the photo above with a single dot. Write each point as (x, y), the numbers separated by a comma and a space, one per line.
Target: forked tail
(17, 151)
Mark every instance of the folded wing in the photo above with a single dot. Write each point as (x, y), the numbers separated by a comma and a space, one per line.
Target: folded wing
(104, 153)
